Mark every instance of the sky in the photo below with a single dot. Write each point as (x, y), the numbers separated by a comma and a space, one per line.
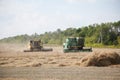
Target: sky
(38, 16)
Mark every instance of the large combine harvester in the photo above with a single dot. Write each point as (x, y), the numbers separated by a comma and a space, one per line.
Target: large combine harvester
(75, 44)
(35, 46)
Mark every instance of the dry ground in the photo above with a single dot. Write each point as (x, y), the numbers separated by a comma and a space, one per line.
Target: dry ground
(56, 65)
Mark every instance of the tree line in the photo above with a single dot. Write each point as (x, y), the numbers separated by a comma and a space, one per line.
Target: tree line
(95, 34)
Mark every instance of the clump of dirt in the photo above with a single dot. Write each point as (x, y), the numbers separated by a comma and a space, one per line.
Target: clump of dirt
(33, 64)
(53, 62)
(62, 65)
(100, 59)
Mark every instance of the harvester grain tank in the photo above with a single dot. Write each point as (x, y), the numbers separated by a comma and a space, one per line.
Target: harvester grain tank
(37, 45)
(75, 44)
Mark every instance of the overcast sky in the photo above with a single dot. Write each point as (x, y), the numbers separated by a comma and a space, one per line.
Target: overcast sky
(38, 16)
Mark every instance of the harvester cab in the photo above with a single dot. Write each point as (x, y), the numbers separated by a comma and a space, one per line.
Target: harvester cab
(35, 46)
(75, 44)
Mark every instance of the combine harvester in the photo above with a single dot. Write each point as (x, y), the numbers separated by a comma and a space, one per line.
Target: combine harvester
(75, 44)
(36, 46)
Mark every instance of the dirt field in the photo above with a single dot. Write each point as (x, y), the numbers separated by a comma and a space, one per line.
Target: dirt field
(56, 65)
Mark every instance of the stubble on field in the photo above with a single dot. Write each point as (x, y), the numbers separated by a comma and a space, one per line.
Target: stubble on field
(12, 56)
